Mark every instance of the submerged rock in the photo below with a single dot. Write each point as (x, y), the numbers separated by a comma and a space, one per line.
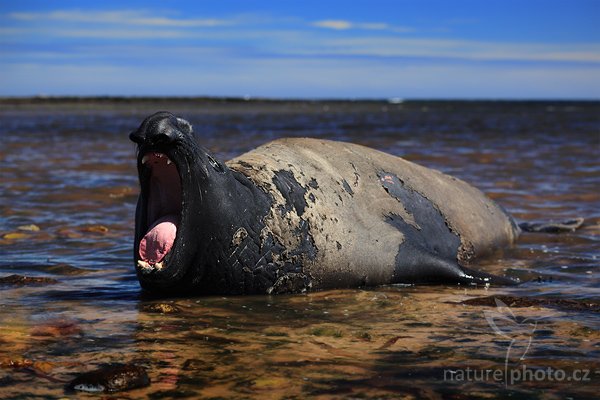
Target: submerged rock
(112, 378)
(162, 308)
(516, 301)
(20, 280)
(57, 328)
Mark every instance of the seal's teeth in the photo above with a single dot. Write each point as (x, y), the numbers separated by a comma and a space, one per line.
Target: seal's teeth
(145, 159)
(144, 266)
(169, 161)
(158, 266)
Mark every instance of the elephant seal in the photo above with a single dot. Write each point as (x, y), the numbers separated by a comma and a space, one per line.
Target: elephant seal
(301, 214)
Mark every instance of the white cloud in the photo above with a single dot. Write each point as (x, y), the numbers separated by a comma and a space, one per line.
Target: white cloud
(460, 49)
(4, 32)
(374, 26)
(340, 25)
(120, 17)
(120, 33)
(333, 24)
(119, 24)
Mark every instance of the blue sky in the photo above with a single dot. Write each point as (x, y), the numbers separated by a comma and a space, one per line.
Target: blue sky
(526, 49)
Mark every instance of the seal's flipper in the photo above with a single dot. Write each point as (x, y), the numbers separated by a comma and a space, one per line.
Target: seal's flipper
(416, 265)
(473, 277)
(552, 227)
(429, 251)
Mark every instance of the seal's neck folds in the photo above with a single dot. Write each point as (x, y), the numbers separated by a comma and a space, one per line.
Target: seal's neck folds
(163, 210)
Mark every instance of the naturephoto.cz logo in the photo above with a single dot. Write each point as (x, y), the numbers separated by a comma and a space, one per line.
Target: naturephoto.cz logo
(519, 332)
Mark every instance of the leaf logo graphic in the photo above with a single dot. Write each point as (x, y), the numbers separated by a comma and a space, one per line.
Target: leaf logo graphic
(504, 323)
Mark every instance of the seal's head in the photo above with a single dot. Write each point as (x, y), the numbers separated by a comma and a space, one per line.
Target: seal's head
(183, 194)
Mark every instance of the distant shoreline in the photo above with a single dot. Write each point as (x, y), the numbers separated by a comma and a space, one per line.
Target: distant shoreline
(259, 100)
(245, 106)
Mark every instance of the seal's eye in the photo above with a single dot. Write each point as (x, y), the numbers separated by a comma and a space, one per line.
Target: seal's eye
(214, 163)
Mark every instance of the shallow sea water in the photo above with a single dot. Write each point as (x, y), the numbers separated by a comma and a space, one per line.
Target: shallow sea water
(67, 202)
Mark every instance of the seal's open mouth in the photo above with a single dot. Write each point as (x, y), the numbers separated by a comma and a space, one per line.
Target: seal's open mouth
(162, 188)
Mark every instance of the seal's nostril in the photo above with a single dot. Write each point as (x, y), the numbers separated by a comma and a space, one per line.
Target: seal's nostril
(164, 137)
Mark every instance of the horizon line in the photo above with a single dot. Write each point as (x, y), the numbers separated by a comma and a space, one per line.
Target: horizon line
(247, 98)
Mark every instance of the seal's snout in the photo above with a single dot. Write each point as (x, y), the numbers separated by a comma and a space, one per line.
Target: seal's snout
(136, 137)
(161, 128)
(164, 131)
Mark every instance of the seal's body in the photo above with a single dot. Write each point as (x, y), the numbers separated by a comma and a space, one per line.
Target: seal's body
(302, 214)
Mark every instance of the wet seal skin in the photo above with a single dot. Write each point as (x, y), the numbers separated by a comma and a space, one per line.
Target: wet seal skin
(302, 214)
(111, 378)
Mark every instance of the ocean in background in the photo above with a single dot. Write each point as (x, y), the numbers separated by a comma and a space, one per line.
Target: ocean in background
(67, 201)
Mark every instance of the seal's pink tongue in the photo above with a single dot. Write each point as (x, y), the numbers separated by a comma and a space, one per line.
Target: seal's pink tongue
(159, 239)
